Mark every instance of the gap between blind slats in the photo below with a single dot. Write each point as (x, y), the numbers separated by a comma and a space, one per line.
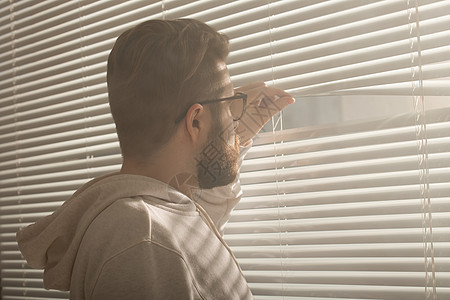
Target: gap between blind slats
(333, 237)
(429, 72)
(72, 129)
(355, 213)
(345, 129)
(75, 143)
(54, 100)
(430, 88)
(337, 250)
(24, 220)
(339, 278)
(230, 13)
(368, 32)
(376, 165)
(303, 10)
(49, 178)
(397, 53)
(96, 150)
(355, 135)
(37, 198)
(289, 50)
(60, 137)
(31, 208)
(173, 9)
(316, 72)
(289, 291)
(45, 188)
(387, 71)
(395, 149)
(30, 283)
(313, 18)
(51, 67)
(304, 177)
(66, 60)
(33, 292)
(408, 264)
(392, 166)
(309, 35)
(83, 76)
(34, 182)
(403, 220)
(90, 34)
(61, 87)
(94, 110)
(38, 10)
(104, 39)
(353, 50)
(20, 273)
(345, 182)
(343, 196)
(62, 118)
(60, 167)
(92, 20)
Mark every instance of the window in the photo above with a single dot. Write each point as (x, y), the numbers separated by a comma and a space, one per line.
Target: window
(346, 193)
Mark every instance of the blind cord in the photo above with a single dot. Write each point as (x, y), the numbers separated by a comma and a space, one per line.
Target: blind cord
(422, 148)
(205, 217)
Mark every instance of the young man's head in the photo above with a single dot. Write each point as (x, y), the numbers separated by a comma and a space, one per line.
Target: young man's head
(156, 72)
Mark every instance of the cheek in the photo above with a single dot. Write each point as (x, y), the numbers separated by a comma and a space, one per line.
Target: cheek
(228, 126)
(230, 134)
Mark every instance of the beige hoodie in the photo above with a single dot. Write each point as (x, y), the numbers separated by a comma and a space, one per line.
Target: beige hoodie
(133, 237)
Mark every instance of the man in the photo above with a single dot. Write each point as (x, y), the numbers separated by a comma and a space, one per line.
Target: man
(154, 229)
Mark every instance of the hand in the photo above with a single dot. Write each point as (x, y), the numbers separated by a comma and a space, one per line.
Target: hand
(263, 103)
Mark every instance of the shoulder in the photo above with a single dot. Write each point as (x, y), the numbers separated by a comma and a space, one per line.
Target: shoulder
(129, 217)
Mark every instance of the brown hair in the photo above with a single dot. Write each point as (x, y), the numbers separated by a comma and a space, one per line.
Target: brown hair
(155, 71)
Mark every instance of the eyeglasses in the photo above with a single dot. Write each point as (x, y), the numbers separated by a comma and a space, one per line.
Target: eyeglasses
(237, 105)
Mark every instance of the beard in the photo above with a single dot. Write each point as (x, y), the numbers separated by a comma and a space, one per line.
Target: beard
(217, 164)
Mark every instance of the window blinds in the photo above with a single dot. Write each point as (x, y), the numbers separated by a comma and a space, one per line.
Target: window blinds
(328, 211)
(335, 211)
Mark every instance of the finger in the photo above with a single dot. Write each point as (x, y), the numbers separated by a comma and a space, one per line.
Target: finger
(276, 98)
(273, 91)
(257, 91)
(272, 106)
(255, 94)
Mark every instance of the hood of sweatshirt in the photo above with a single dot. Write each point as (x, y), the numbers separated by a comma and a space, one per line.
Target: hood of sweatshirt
(52, 242)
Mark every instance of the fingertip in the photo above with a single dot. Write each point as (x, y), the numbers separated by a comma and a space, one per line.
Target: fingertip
(289, 100)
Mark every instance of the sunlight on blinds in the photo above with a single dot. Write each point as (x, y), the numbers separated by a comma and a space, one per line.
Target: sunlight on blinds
(348, 208)
(336, 211)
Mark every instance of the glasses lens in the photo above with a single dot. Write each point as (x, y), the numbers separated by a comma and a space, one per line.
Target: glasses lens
(236, 108)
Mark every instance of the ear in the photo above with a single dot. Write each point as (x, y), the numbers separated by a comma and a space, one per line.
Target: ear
(195, 121)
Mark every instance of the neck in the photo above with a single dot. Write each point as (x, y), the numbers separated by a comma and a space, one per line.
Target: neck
(168, 165)
(151, 169)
